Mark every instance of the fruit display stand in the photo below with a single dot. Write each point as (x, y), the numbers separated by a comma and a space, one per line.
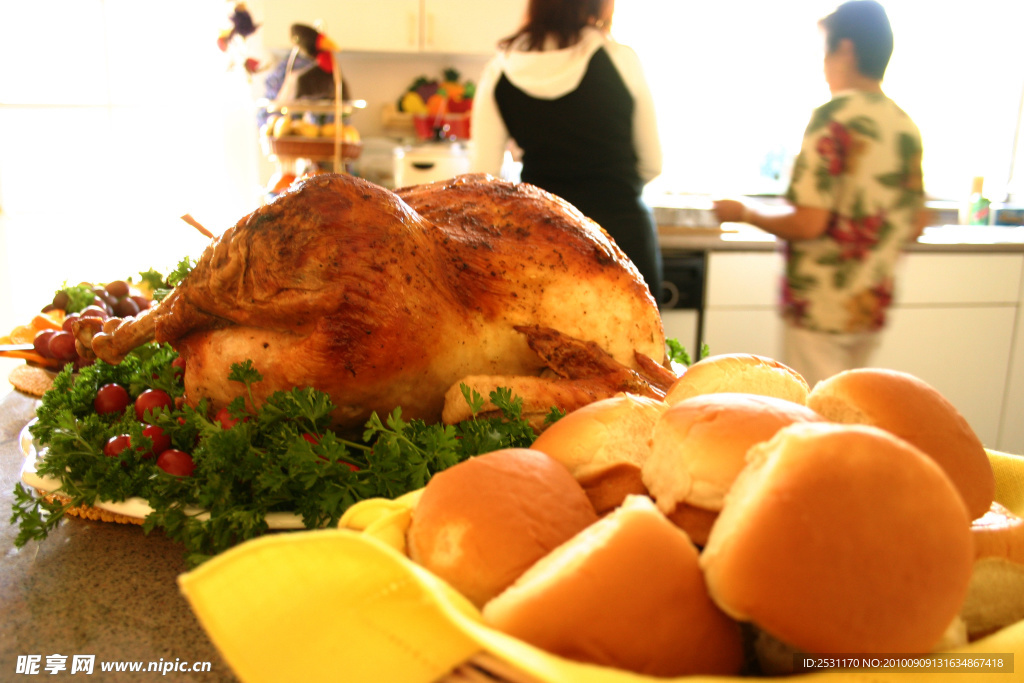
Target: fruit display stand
(304, 143)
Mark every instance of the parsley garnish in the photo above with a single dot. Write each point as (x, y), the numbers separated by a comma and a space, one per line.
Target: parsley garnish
(79, 297)
(282, 458)
(677, 353)
(153, 279)
(161, 286)
(182, 270)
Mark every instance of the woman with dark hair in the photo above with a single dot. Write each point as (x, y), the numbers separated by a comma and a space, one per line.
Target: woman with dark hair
(577, 103)
(855, 199)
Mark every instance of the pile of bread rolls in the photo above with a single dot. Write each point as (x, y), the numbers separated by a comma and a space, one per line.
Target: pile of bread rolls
(743, 520)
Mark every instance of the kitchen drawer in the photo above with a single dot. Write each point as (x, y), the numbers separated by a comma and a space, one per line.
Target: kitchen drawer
(924, 279)
(743, 279)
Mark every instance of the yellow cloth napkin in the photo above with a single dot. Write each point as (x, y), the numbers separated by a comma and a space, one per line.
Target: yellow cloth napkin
(347, 604)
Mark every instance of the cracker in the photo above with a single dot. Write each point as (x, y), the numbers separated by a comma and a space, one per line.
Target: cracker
(31, 380)
(89, 512)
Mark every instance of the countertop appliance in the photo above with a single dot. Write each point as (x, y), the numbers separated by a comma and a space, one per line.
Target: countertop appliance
(430, 161)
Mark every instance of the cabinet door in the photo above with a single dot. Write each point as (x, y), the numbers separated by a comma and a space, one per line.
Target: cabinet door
(962, 351)
(743, 330)
(958, 279)
(361, 25)
(469, 26)
(743, 279)
(740, 314)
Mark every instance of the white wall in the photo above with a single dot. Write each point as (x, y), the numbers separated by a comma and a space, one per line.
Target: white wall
(128, 121)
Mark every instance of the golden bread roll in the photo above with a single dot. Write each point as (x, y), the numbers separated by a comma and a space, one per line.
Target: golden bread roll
(999, 533)
(604, 444)
(695, 521)
(607, 488)
(480, 524)
(841, 538)
(996, 595)
(626, 592)
(700, 445)
(915, 411)
(739, 373)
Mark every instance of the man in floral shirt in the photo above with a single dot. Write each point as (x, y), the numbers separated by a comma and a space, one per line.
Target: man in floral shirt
(855, 199)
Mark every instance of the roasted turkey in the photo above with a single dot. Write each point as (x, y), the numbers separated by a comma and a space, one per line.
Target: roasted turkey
(385, 299)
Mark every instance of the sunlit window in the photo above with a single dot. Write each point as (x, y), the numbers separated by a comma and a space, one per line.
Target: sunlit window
(116, 117)
(735, 82)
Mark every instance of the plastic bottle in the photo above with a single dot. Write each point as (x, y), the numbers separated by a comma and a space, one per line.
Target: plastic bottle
(977, 204)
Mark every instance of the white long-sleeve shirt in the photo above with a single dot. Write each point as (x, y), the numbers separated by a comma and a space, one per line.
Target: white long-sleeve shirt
(550, 74)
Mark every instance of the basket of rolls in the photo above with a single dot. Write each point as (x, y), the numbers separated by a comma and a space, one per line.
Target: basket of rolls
(746, 525)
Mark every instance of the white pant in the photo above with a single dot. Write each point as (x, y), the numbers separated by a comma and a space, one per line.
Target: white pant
(819, 355)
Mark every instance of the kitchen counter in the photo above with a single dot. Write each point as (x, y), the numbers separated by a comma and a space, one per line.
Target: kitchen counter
(740, 237)
(91, 588)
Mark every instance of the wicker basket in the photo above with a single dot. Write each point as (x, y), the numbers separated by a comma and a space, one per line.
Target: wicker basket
(317, 149)
(486, 668)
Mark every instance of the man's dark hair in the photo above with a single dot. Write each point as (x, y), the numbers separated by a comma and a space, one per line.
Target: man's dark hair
(866, 25)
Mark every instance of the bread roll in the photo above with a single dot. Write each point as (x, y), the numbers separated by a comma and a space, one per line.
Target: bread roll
(700, 445)
(627, 593)
(480, 524)
(695, 521)
(995, 597)
(913, 410)
(841, 538)
(739, 373)
(999, 533)
(604, 444)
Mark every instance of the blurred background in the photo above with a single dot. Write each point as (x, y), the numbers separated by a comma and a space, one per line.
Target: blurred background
(119, 116)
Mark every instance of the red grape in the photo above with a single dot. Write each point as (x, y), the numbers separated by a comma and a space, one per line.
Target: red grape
(99, 302)
(41, 343)
(94, 311)
(117, 289)
(161, 441)
(111, 398)
(142, 301)
(116, 444)
(69, 321)
(61, 300)
(62, 346)
(178, 463)
(126, 308)
(150, 400)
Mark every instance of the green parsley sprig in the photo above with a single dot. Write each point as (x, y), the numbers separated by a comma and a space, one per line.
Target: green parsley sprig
(282, 457)
(677, 353)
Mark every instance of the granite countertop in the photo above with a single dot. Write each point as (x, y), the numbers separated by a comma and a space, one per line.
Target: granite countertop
(739, 237)
(91, 588)
(687, 223)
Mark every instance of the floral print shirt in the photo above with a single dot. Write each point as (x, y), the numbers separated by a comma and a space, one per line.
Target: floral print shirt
(861, 160)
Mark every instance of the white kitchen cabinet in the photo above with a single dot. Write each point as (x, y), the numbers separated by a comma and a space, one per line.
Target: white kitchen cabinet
(1011, 431)
(739, 330)
(952, 324)
(962, 351)
(469, 26)
(740, 316)
(437, 26)
(681, 325)
(955, 323)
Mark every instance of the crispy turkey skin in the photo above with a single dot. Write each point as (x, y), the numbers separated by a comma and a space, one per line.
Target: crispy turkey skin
(385, 299)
